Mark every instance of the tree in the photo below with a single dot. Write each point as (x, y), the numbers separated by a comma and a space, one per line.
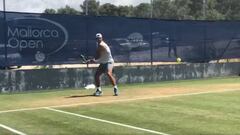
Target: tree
(92, 7)
(196, 9)
(126, 11)
(161, 9)
(50, 11)
(179, 9)
(229, 8)
(108, 10)
(143, 10)
(68, 10)
(211, 11)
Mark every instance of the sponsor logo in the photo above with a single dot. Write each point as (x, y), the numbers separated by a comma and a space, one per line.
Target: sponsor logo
(135, 38)
(35, 35)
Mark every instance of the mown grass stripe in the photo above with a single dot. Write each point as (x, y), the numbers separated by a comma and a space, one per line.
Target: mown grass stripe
(117, 100)
(12, 130)
(109, 122)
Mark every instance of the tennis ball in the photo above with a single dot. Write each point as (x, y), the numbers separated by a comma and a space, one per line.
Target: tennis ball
(179, 60)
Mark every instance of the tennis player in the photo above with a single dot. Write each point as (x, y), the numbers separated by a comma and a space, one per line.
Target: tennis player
(105, 59)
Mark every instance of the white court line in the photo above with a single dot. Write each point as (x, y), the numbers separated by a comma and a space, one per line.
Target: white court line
(115, 101)
(109, 122)
(12, 130)
(21, 110)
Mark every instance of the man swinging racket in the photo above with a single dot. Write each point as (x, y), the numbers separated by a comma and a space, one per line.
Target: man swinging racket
(105, 59)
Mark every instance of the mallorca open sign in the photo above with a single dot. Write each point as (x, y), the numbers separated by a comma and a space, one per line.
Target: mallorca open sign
(35, 35)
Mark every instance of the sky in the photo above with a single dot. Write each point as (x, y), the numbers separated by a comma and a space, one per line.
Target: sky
(38, 6)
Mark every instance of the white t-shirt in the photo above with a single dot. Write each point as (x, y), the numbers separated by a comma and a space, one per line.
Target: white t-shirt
(105, 57)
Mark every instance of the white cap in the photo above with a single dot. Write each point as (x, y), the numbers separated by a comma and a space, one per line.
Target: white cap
(98, 35)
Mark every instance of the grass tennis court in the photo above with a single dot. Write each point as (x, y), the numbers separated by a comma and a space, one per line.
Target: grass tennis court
(188, 107)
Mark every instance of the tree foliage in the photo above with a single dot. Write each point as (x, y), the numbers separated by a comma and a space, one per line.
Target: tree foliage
(108, 10)
(50, 11)
(143, 10)
(91, 7)
(68, 10)
(161, 9)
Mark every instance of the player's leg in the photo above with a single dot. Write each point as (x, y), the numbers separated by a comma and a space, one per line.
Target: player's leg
(98, 74)
(109, 69)
(169, 50)
(110, 76)
(175, 51)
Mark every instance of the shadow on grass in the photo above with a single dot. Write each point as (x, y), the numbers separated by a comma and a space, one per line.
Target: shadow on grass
(78, 96)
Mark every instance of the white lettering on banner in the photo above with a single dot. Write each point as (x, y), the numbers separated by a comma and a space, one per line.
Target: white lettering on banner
(29, 33)
(22, 44)
(36, 35)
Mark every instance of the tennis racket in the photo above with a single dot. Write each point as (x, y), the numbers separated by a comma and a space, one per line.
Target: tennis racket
(84, 59)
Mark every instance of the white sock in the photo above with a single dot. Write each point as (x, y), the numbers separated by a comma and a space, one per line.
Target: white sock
(99, 88)
(115, 87)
